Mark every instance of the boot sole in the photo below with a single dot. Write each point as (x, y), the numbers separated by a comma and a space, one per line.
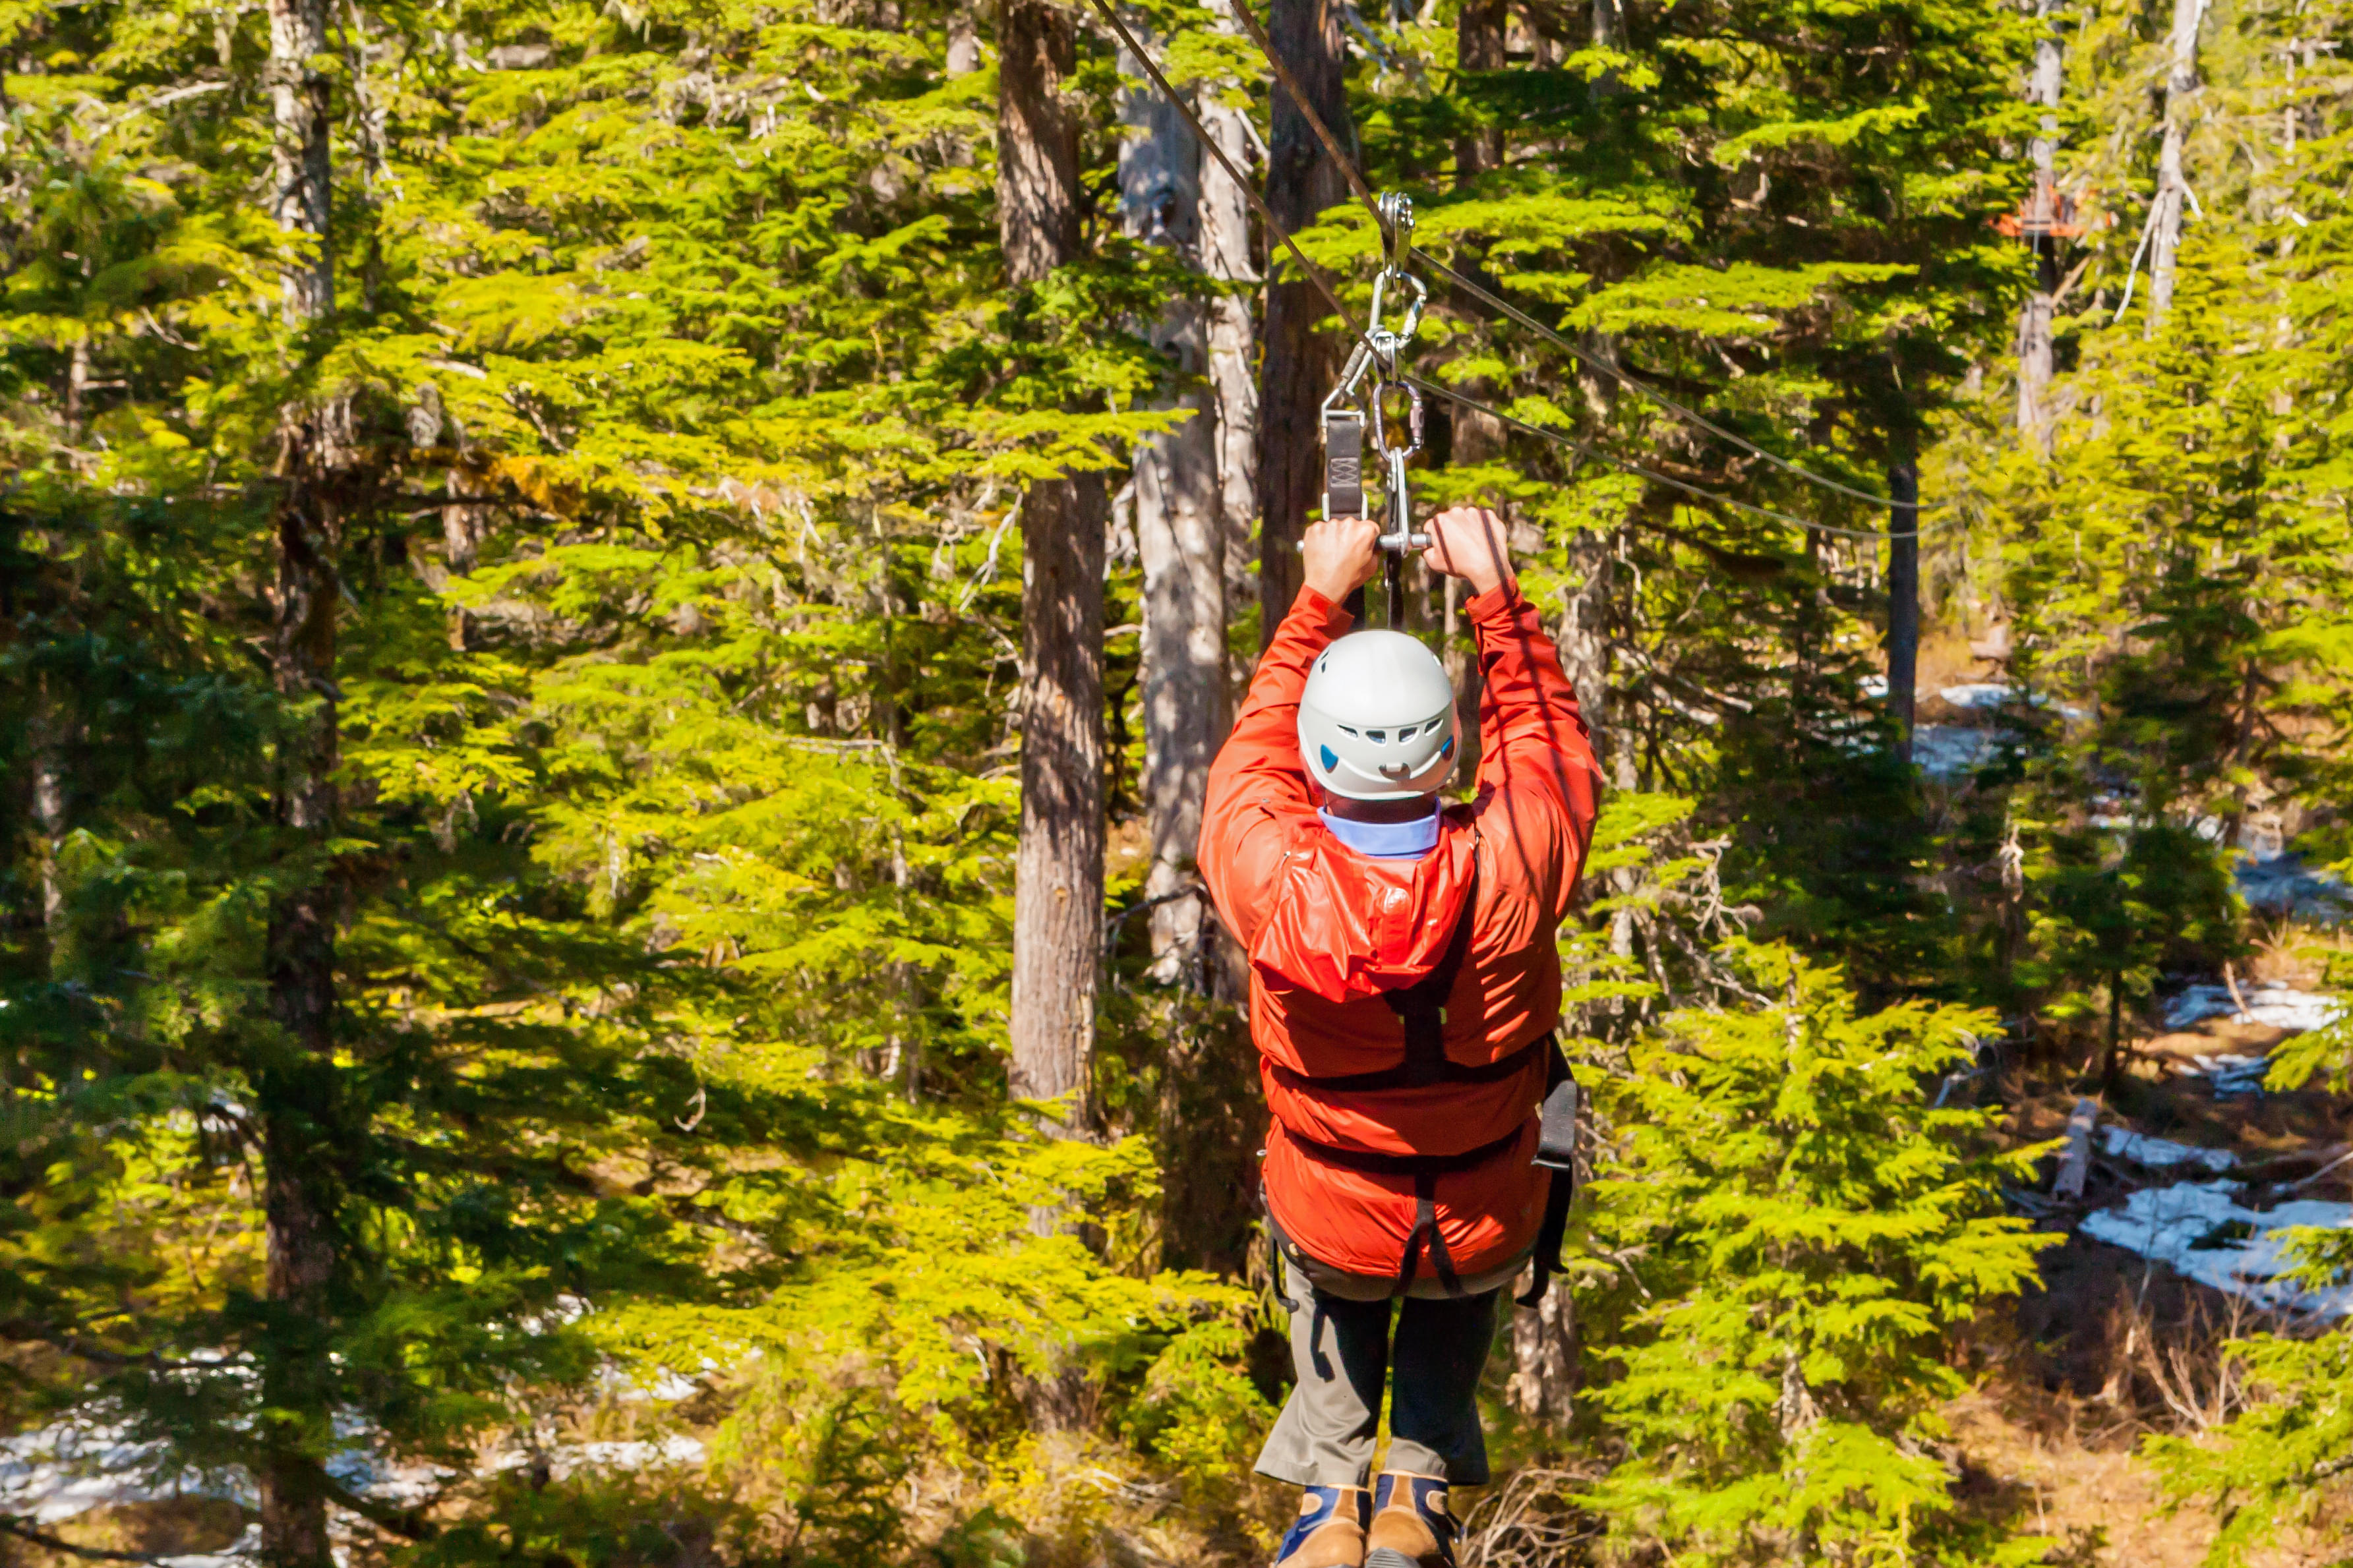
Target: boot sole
(1389, 1557)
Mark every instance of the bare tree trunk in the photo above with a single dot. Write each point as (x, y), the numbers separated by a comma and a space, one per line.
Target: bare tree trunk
(1224, 242)
(1609, 32)
(50, 817)
(1180, 538)
(2034, 318)
(297, 1090)
(1902, 597)
(964, 43)
(1299, 366)
(1478, 46)
(1543, 1385)
(1584, 640)
(2180, 86)
(299, 152)
(1058, 869)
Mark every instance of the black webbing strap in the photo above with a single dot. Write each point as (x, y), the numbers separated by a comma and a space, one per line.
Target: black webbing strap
(1344, 467)
(1502, 1068)
(1343, 481)
(1425, 1170)
(1373, 1163)
(1425, 1223)
(1422, 1004)
(1557, 1152)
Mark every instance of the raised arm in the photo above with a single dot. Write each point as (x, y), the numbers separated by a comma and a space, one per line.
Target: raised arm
(1539, 787)
(1530, 733)
(1259, 792)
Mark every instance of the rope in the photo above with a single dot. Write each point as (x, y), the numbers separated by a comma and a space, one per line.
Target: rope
(1348, 171)
(1314, 275)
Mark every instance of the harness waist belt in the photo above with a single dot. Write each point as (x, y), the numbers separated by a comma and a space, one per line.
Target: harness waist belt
(1406, 1076)
(1425, 1170)
(1375, 1163)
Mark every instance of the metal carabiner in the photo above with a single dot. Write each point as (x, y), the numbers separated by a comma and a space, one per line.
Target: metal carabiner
(1385, 342)
(1413, 419)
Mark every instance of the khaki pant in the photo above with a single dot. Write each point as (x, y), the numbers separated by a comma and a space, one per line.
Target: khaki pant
(1346, 1354)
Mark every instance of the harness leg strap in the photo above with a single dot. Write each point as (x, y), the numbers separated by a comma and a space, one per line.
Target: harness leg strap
(1425, 1225)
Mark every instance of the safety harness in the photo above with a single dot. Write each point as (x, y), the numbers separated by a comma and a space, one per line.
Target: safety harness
(1421, 1007)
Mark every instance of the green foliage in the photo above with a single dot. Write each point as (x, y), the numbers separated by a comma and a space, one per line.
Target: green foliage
(1796, 1228)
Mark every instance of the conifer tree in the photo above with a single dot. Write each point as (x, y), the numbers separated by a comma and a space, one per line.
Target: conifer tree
(1799, 1230)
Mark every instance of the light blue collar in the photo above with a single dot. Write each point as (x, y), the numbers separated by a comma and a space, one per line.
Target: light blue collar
(1408, 840)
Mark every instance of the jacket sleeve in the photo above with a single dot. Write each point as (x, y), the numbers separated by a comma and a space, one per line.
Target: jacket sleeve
(1539, 787)
(1259, 791)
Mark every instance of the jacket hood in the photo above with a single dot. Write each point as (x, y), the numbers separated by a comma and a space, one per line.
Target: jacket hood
(1345, 926)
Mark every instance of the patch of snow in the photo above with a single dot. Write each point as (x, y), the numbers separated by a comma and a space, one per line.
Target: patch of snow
(242, 1552)
(2161, 1154)
(2269, 1002)
(1986, 695)
(2230, 1075)
(2283, 884)
(2200, 1230)
(1949, 753)
(1993, 696)
(64, 1470)
(1875, 686)
(71, 1467)
(626, 1456)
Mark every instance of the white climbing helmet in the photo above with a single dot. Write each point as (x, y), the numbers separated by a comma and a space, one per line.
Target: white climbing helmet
(1376, 721)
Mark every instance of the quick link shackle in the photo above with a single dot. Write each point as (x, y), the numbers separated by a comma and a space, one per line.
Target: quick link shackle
(1354, 405)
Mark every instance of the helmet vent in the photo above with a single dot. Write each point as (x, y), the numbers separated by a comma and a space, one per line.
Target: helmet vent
(1346, 731)
(1379, 737)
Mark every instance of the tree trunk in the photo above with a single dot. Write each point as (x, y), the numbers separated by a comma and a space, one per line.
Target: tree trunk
(1543, 1385)
(1609, 32)
(1902, 597)
(49, 767)
(300, 150)
(1180, 539)
(1058, 870)
(1478, 46)
(1224, 242)
(1299, 367)
(2180, 86)
(2034, 318)
(1584, 640)
(297, 1088)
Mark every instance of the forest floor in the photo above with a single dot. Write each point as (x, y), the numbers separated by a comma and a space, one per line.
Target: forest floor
(2192, 1161)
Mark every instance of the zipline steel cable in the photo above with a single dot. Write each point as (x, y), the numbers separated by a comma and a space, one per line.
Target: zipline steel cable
(1348, 171)
(1314, 275)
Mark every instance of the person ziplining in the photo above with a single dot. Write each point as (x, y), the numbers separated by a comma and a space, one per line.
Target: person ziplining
(1404, 988)
(1405, 976)
(1404, 983)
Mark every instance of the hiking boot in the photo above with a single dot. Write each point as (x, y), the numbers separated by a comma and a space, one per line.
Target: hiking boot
(1411, 1528)
(1329, 1531)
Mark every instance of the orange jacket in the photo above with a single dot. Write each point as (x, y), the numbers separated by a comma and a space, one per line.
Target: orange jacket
(1328, 930)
